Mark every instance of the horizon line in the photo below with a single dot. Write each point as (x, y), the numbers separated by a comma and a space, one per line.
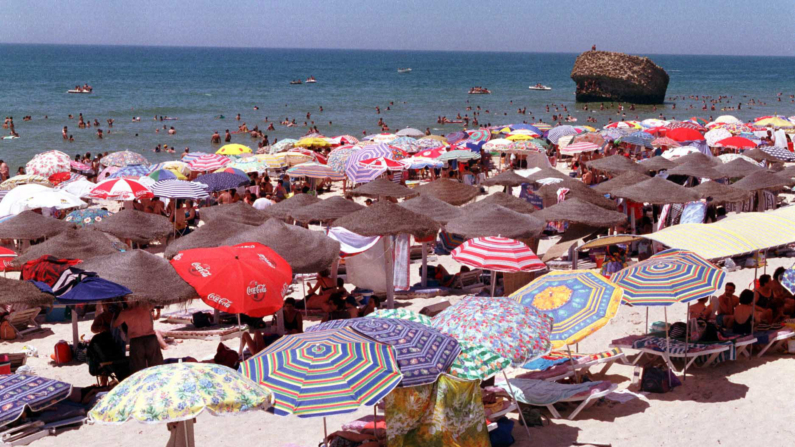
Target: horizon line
(393, 50)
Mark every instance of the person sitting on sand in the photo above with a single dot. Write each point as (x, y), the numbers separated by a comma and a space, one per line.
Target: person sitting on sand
(743, 314)
(726, 305)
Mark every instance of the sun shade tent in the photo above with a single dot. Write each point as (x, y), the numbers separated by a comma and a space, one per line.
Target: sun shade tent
(657, 191)
(628, 178)
(283, 209)
(437, 210)
(577, 211)
(305, 250)
(507, 178)
(501, 199)
(137, 226)
(496, 221)
(28, 225)
(450, 191)
(381, 187)
(657, 163)
(719, 193)
(72, 244)
(211, 234)
(151, 278)
(325, 210)
(238, 212)
(615, 164)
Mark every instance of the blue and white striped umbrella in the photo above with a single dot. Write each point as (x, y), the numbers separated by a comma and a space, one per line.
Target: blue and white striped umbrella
(130, 171)
(556, 133)
(360, 173)
(179, 189)
(221, 181)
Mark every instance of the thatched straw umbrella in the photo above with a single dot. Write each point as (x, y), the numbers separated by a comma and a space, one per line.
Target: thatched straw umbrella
(546, 173)
(578, 189)
(657, 191)
(760, 155)
(434, 208)
(137, 226)
(29, 225)
(283, 209)
(693, 170)
(501, 199)
(577, 211)
(325, 210)
(305, 250)
(719, 193)
(787, 173)
(507, 178)
(381, 187)
(697, 160)
(238, 212)
(657, 163)
(496, 221)
(72, 244)
(615, 164)
(13, 291)
(738, 168)
(151, 278)
(388, 219)
(626, 179)
(450, 191)
(210, 235)
(762, 181)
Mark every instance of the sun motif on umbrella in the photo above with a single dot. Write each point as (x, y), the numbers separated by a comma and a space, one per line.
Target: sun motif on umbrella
(552, 298)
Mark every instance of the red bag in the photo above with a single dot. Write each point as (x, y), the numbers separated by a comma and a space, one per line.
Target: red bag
(63, 353)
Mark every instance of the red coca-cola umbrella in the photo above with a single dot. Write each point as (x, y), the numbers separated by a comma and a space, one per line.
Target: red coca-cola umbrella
(6, 256)
(684, 134)
(247, 278)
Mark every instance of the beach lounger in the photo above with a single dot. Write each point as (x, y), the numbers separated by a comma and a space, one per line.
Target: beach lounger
(24, 321)
(207, 334)
(183, 316)
(557, 365)
(705, 353)
(773, 338)
(542, 393)
(470, 281)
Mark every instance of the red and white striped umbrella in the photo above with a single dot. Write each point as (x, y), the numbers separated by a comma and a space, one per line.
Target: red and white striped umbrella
(432, 153)
(576, 148)
(498, 254)
(383, 163)
(208, 162)
(121, 189)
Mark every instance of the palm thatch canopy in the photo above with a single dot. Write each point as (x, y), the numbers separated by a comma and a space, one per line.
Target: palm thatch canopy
(238, 212)
(13, 291)
(762, 181)
(760, 155)
(615, 164)
(305, 250)
(496, 221)
(788, 172)
(657, 163)
(450, 191)
(657, 191)
(381, 187)
(507, 178)
(693, 170)
(29, 225)
(137, 226)
(578, 189)
(718, 193)
(72, 244)
(151, 278)
(546, 173)
(620, 181)
(386, 218)
(502, 199)
(738, 168)
(209, 235)
(534, 160)
(437, 210)
(283, 209)
(577, 211)
(697, 160)
(325, 210)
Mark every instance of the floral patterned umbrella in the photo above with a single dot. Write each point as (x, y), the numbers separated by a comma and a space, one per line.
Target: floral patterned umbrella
(123, 158)
(130, 171)
(340, 155)
(499, 324)
(408, 144)
(24, 179)
(49, 163)
(478, 363)
(87, 217)
(403, 314)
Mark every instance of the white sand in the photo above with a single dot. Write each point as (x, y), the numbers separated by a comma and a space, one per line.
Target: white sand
(742, 403)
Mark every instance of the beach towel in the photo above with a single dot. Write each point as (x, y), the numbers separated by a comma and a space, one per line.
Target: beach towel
(694, 212)
(526, 193)
(366, 270)
(666, 209)
(401, 262)
(446, 413)
(541, 392)
(351, 244)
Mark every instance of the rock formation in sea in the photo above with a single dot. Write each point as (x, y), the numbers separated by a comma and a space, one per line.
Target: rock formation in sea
(608, 76)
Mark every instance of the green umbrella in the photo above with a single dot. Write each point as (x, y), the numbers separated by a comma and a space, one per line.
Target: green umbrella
(402, 314)
(477, 363)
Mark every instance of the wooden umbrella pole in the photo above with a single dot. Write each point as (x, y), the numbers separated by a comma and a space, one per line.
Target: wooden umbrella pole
(424, 264)
(389, 271)
(493, 282)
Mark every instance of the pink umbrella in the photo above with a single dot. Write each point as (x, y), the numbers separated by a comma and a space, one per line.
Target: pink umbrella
(120, 189)
(383, 163)
(48, 164)
(498, 254)
(664, 141)
(208, 162)
(432, 153)
(576, 148)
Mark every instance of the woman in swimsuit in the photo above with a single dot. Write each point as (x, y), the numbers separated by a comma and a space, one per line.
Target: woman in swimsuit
(744, 312)
(319, 294)
(763, 297)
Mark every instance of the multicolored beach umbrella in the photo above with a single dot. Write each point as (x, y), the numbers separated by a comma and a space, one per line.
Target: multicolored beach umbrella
(163, 174)
(401, 314)
(131, 171)
(222, 181)
(408, 144)
(21, 392)
(338, 157)
(669, 277)
(483, 135)
(315, 170)
(179, 189)
(209, 162)
(362, 174)
(124, 158)
(48, 164)
(325, 372)
(498, 254)
(120, 189)
(86, 217)
(478, 363)
(556, 133)
(498, 324)
(422, 353)
(580, 301)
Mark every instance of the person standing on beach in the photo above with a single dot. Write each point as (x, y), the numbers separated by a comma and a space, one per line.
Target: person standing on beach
(144, 346)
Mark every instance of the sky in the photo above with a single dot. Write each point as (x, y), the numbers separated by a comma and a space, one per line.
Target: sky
(720, 27)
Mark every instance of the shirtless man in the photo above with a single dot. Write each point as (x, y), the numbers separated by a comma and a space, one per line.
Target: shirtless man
(225, 198)
(156, 207)
(172, 131)
(144, 346)
(227, 136)
(216, 138)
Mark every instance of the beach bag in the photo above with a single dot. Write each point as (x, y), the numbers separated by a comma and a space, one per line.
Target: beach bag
(63, 353)
(501, 436)
(7, 331)
(658, 380)
(201, 320)
(677, 330)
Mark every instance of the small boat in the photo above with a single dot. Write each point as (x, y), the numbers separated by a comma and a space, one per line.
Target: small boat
(404, 70)
(296, 82)
(80, 91)
(539, 87)
(311, 80)
(479, 91)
